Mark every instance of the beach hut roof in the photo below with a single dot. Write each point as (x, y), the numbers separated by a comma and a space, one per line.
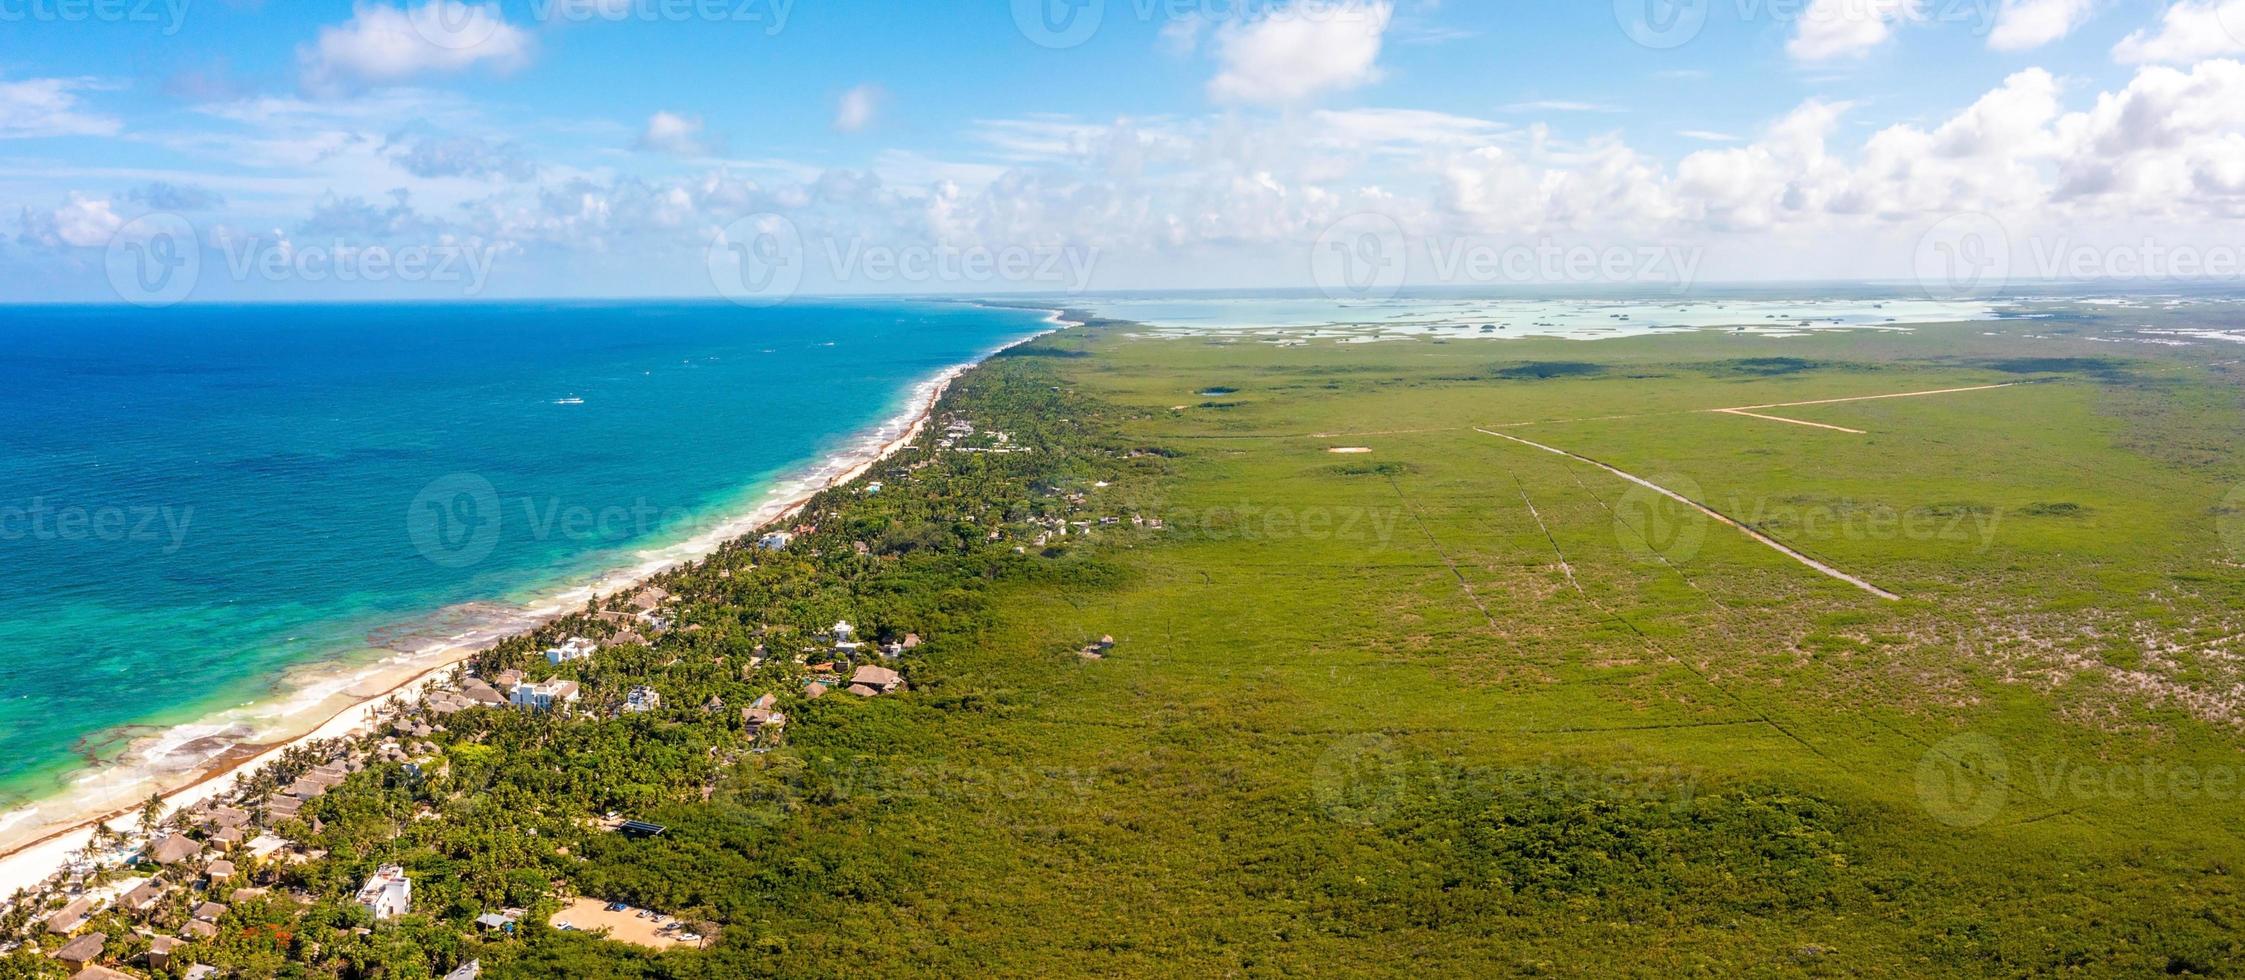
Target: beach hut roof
(876, 676)
(71, 917)
(173, 849)
(83, 949)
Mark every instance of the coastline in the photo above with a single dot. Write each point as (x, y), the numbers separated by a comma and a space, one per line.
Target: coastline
(34, 843)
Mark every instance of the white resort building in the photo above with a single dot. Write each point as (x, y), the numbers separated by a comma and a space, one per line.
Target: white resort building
(388, 894)
(544, 696)
(574, 648)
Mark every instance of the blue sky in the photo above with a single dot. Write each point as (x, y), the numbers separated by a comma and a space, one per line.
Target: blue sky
(603, 147)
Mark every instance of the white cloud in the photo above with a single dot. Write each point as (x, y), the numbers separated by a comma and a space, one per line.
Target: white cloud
(857, 107)
(85, 222)
(1776, 180)
(382, 44)
(669, 132)
(424, 155)
(38, 107)
(2189, 30)
(1830, 29)
(1290, 53)
(1414, 129)
(1211, 195)
(2024, 24)
(1038, 139)
(1545, 189)
(2166, 145)
(1559, 105)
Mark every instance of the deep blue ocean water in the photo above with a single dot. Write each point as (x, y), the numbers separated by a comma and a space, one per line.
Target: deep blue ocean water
(194, 500)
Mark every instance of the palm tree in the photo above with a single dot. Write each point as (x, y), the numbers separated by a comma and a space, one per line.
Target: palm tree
(152, 814)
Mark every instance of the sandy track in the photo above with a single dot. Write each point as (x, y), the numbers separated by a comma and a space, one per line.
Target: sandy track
(1774, 418)
(1717, 516)
(1749, 411)
(1871, 398)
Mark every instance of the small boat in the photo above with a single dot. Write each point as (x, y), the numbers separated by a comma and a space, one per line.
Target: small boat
(571, 400)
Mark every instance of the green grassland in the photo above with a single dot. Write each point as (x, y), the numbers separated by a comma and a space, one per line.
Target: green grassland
(1441, 707)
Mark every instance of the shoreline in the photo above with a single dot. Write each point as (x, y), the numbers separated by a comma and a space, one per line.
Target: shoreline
(28, 862)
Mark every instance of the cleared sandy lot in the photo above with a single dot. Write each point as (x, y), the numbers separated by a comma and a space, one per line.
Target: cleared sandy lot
(656, 932)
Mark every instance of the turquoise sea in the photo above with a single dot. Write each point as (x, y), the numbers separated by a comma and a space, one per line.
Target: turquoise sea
(199, 502)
